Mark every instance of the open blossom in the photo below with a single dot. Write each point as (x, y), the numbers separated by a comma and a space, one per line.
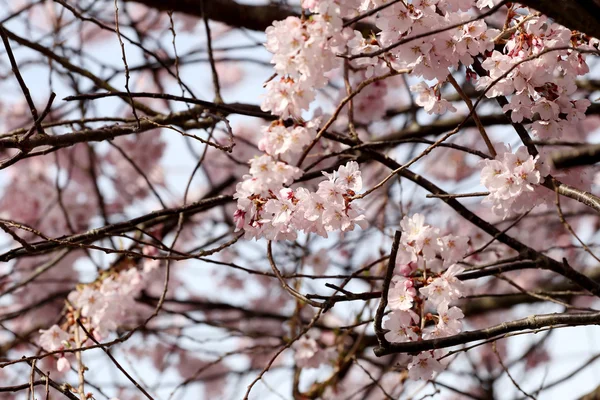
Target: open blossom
(401, 296)
(287, 97)
(89, 300)
(513, 181)
(425, 365)
(446, 288)
(430, 100)
(425, 288)
(454, 248)
(539, 89)
(266, 208)
(332, 190)
(375, 66)
(53, 339)
(401, 326)
(103, 306)
(63, 364)
(421, 240)
(450, 319)
(485, 3)
(279, 139)
(280, 208)
(418, 238)
(348, 176)
(304, 50)
(413, 227)
(110, 303)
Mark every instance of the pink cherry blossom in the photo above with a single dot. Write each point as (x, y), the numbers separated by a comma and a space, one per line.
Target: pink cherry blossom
(424, 366)
(444, 288)
(513, 181)
(53, 339)
(400, 325)
(401, 296)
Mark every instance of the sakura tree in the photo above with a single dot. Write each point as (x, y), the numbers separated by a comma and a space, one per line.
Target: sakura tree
(317, 199)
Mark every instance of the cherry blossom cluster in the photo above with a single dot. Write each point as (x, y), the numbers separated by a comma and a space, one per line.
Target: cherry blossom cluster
(101, 306)
(513, 180)
(304, 50)
(266, 208)
(430, 99)
(423, 292)
(538, 67)
(278, 139)
(429, 57)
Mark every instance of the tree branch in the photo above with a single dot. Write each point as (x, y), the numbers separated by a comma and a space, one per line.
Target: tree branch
(533, 322)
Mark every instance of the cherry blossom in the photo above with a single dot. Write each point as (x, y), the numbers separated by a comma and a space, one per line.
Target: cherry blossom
(278, 139)
(430, 99)
(298, 180)
(449, 319)
(53, 339)
(425, 288)
(445, 288)
(63, 364)
(513, 181)
(425, 365)
(402, 295)
(402, 326)
(453, 248)
(265, 208)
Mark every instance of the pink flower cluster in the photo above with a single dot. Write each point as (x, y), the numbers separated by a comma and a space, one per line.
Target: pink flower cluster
(101, 306)
(430, 99)
(542, 87)
(431, 56)
(268, 209)
(421, 296)
(304, 50)
(108, 304)
(513, 181)
(278, 139)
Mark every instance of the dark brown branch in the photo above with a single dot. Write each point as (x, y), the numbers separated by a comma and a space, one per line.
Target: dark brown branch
(150, 219)
(242, 109)
(525, 251)
(234, 14)
(580, 15)
(577, 157)
(229, 12)
(63, 61)
(379, 332)
(24, 88)
(105, 133)
(494, 332)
